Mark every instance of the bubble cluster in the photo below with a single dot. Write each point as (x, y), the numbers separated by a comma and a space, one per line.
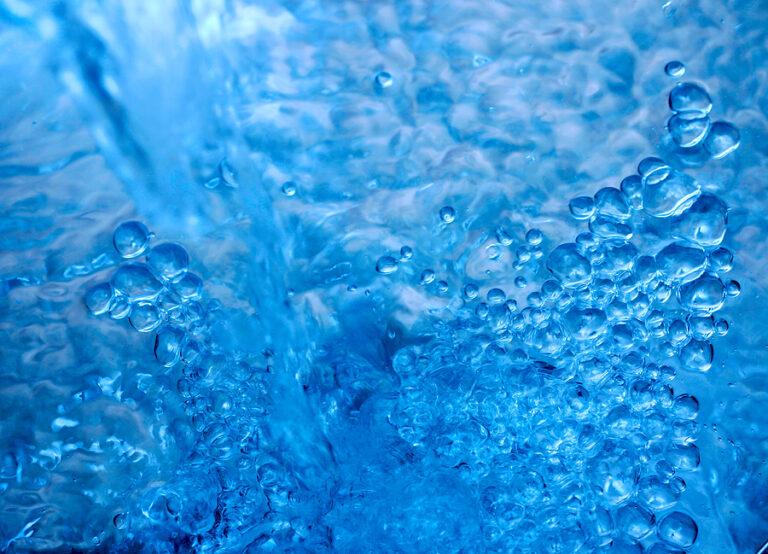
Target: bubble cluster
(691, 128)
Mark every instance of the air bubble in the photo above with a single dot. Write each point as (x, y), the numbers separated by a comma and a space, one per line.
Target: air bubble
(678, 529)
(686, 132)
(447, 214)
(582, 207)
(723, 138)
(136, 282)
(567, 264)
(145, 317)
(534, 237)
(131, 239)
(168, 343)
(674, 69)
(690, 100)
(98, 299)
(289, 188)
(169, 261)
(427, 277)
(386, 265)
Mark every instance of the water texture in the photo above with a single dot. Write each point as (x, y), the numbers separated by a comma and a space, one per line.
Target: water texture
(383, 276)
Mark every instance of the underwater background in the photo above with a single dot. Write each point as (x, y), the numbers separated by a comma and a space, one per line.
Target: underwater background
(383, 276)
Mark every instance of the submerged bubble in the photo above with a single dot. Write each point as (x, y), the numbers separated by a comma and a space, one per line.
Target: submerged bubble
(632, 189)
(427, 277)
(98, 299)
(447, 214)
(670, 194)
(534, 237)
(189, 287)
(687, 132)
(383, 80)
(678, 529)
(168, 343)
(704, 294)
(386, 265)
(690, 100)
(136, 282)
(611, 202)
(130, 239)
(723, 138)
(697, 355)
(470, 291)
(721, 260)
(169, 261)
(678, 262)
(567, 264)
(121, 308)
(705, 221)
(289, 188)
(582, 207)
(674, 69)
(406, 253)
(145, 317)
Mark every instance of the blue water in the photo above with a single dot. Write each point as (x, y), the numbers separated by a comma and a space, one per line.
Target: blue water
(392, 276)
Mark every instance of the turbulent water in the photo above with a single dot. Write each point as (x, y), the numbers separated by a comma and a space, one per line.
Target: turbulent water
(393, 276)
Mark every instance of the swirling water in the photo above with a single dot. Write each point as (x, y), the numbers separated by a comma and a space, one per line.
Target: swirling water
(383, 277)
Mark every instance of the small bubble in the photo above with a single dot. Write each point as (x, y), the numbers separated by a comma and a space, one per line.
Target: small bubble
(521, 282)
(723, 138)
(447, 214)
(406, 253)
(567, 264)
(674, 69)
(632, 189)
(690, 100)
(503, 236)
(470, 291)
(611, 202)
(168, 343)
(721, 327)
(145, 317)
(496, 296)
(534, 237)
(386, 265)
(121, 308)
(687, 132)
(582, 207)
(169, 261)
(120, 521)
(189, 287)
(442, 287)
(721, 260)
(733, 288)
(383, 80)
(130, 239)
(678, 530)
(289, 188)
(427, 277)
(98, 299)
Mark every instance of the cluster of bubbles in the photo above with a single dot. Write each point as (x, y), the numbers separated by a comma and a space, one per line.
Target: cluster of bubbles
(561, 413)
(690, 127)
(558, 417)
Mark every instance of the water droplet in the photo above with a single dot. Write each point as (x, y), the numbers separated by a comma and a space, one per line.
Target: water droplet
(690, 100)
(521, 282)
(169, 261)
(678, 530)
(131, 239)
(386, 265)
(98, 299)
(288, 188)
(687, 133)
(582, 207)
(723, 138)
(136, 282)
(567, 264)
(145, 317)
(721, 327)
(447, 214)
(674, 69)
(732, 288)
(406, 253)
